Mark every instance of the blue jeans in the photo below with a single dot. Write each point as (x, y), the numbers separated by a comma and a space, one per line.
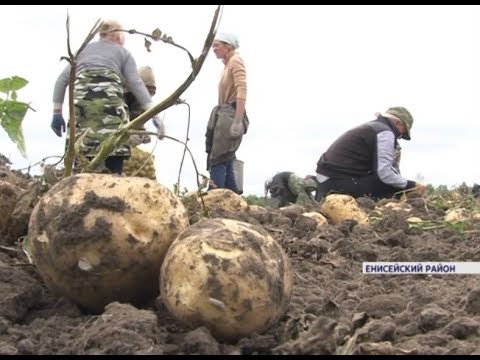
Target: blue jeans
(222, 175)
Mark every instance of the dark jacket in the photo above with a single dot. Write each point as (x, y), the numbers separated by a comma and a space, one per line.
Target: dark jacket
(355, 152)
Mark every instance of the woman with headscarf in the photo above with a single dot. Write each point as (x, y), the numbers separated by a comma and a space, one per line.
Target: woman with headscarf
(228, 121)
(100, 108)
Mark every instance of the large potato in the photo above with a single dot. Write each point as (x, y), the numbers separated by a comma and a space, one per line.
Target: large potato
(100, 238)
(229, 276)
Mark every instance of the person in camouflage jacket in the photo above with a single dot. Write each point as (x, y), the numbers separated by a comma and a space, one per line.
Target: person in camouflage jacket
(102, 68)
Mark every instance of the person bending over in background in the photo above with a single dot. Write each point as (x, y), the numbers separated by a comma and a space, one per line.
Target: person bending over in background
(99, 94)
(361, 162)
(288, 187)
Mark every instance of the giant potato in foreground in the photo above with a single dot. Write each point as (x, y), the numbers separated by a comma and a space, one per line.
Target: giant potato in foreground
(229, 276)
(100, 238)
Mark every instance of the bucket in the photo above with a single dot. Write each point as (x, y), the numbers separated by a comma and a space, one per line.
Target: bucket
(238, 173)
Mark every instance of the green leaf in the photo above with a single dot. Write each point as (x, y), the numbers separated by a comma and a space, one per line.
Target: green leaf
(14, 113)
(12, 84)
(18, 83)
(19, 140)
(5, 85)
(13, 96)
(16, 110)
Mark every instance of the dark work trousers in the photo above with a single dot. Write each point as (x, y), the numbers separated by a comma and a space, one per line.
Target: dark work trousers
(115, 164)
(370, 186)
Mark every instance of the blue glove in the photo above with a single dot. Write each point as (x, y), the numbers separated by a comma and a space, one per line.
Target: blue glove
(58, 124)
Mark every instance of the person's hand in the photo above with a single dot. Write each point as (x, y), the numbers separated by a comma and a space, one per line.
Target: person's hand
(236, 129)
(58, 124)
(417, 191)
(160, 127)
(420, 189)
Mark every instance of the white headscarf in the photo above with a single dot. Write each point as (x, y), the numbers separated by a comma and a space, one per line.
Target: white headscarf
(228, 38)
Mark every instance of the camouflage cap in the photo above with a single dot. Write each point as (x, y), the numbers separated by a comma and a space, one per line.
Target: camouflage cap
(146, 74)
(404, 115)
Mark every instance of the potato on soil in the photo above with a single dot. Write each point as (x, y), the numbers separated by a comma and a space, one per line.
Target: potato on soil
(141, 164)
(337, 208)
(99, 238)
(224, 199)
(227, 275)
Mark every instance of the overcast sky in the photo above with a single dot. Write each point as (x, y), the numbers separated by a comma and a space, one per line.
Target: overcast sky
(313, 73)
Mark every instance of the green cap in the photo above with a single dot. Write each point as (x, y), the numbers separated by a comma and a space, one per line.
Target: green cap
(404, 115)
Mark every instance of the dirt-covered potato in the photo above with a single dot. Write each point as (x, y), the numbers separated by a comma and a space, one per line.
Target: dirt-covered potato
(319, 218)
(337, 207)
(100, 238)
(458, 215)
(224, 199)
(259, 213)
(229, 276)
(140, 163)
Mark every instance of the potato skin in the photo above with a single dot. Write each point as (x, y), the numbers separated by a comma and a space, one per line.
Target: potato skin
(99, 238)
(339, 207)
(141, 164)
(224, 199)
(229, 276)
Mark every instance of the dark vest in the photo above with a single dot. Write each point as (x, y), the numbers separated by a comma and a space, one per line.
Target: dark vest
(355, 152)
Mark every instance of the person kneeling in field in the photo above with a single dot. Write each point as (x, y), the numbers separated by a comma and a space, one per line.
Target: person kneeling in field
(288, 187)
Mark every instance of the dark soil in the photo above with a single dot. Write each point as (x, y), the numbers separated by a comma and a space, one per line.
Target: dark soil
(335, 308)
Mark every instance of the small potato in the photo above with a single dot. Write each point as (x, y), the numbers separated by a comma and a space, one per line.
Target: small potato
(224, 199)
